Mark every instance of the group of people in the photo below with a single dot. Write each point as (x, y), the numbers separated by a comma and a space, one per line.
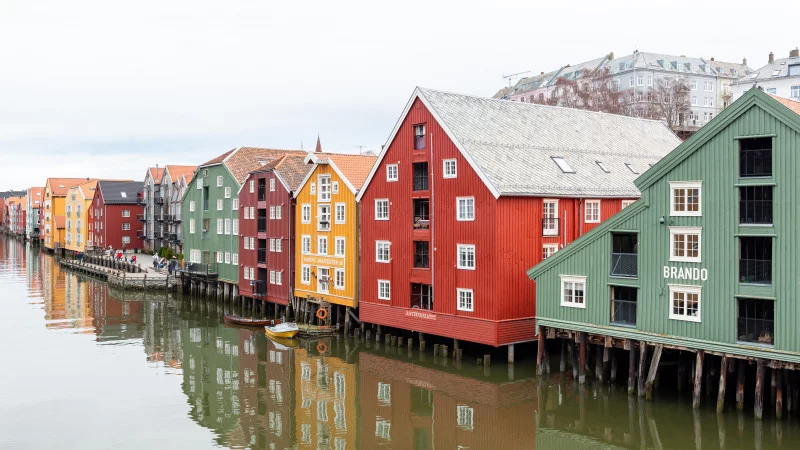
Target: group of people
(160, 263)
(120, 254)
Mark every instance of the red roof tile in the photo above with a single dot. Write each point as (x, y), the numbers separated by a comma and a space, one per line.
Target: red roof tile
(794, 105)
(355, 168)
(175, 172)
(60, 186)
(156, 173)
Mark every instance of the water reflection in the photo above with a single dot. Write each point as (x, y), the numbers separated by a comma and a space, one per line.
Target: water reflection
(247, 391)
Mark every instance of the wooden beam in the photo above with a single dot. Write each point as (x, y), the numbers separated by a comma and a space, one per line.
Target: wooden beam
(562, 364)
(740, 377)
(540, 352)
(759, 402)
(631, 369)
(723, 379)
(651, 375)
(642, 365)
(613, 378)
(779, 394)
(698, 379)
(581, 359)
(598, 364)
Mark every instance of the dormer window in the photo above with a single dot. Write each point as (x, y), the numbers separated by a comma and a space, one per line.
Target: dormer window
(631, 168)
(562, 164)
(602, 166)
(419, 137)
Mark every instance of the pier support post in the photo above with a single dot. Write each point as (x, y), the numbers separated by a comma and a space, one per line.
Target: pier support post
(740, 376)
(723, 381)
(540, 352)
(759, 402)
(599, 366)
(510, 353)
(778, 393)
(573, 354)
(772, 384)
(642, 365)
(613, 378)
(581, 337)
(698, 379)
(631, 367)
(562, 364)
(651, 376)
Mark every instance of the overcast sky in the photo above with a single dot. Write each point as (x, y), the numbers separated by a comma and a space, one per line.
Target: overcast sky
(104, 89)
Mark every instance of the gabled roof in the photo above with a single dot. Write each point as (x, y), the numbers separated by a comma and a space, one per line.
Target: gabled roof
(87, 189)
(291, 169)
(753, 96)
(60, 186)
(36, 194)
(175, 172)
(120, 192)
(777, 69)
(729, 69)
(243, 160)
(511, 145)
(352, 169)
(156, 173)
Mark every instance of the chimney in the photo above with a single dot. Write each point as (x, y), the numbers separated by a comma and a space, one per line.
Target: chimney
(712, 58)
(744, 61)
(794, 53)
(611, 56)
(541, 73)
(771, 58)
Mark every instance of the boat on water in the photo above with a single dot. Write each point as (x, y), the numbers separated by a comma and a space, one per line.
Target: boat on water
(251, 322)
(317, 330)
(282, 330)
(284, 343)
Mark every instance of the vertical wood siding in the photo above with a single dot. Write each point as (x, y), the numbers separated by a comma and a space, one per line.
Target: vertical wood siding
(247, 229)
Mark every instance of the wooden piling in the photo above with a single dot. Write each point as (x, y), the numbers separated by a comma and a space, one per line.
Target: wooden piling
(613, 378)
(778, 393)
(740, 377)
(540, 352)
(631, 368)
(487, 359)
(698, 379)
(581, 358)
(723, 380)
(598, 364)
(772, 385)
(759, 401)
(443, 349)
(642, 365)
(511, 353)
(573, 354)
(435, 349)
(562, 363)
(651, 375)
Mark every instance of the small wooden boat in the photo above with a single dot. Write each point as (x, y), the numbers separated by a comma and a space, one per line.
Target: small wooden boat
(283, 330)
(250, 322)
(317, 330)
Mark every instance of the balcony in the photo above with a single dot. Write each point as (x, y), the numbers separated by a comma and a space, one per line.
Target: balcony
(420, 176)
(172, 237)
(421, 254)
(262, 224)
(141, 234)
(158, 217)
(324, 225)
(141, 217)
(176, 218)
(201, 269)
(158, 235)
(262, 255)
(159, 200)
(421, 214)
(755, 205)
(550, 226)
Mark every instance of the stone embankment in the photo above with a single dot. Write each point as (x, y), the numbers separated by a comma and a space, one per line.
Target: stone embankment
(120, 275)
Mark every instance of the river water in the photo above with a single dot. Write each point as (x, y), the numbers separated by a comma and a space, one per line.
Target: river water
(85, 367)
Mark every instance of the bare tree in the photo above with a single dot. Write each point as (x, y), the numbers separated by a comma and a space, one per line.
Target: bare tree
(669, 101)
(594, 91)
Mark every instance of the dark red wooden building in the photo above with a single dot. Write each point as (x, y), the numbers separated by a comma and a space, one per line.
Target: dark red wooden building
(470, 192)
(266, 246)
(112, 215)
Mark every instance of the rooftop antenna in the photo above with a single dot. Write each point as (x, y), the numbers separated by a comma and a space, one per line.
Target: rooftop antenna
(514, 76)
(360, 148)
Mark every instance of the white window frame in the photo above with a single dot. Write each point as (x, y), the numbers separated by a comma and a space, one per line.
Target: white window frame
(279, 277)
(324, 194)
(686, 289)
(467, 247)
(336, 284)
(278, 245)
(388, 285)
(313, 188)
(227, 192)
(586, 206)
(235, 229)
(235, 204)
(271, 277)
(320, 240)
(220, 226)
(199, 183)
(220, 181)
(339, 241)
(246, 213)
(247, 243)
(125, 239)
(279, 212)
(378, 246)
(685, 230)
(227, 226)
(227, 257)
(572, 279)
(220, 204)
(305, 246)
(378, 202)
(305, 216)
(676, 185)
(272, 184)
(272, 245)
(465, 417)
(220, 257)
(449, 168)
(550, 215)
(126, 213)
(626, 203)
(252, 186)
(471, 307)
(271, 212)
(551, 249)
(191, 226)
(335, 187)
(235, 258)
(305, 274)
(336, 213)
(392, 176)
(468, 201)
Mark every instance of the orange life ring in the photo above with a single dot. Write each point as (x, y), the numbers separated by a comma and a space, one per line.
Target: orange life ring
(322, 313)
(322, 347)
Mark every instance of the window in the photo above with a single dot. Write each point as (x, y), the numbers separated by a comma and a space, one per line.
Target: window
(756, 321)
(640, 80)
(271, 277)
(684, 244)
(391, 172)
(252, 212)
(305, 274)
(219, 204)
(684, 302)
(382, 251)
(272, 245)
(279, 211)
(306, 244)
(340, 217)
(755, 157)
(125, 239)
(272, 184)
(247, 243)
(466, 256)
(313, 188)
(573, 291)
(548, 250)
(550, 218)
(465, 208)
(220, 226)
(772, 91)
(694, 85)
(694, 101)
(419, 137)
(194, 256)
(794, 91)
(465, 414)
(220, 257)
(126, 213)
(246, 212)
(382, 209)
(278, 278)
(324, 188)
(602, 166)
(338, 278)
(592, 211)
(562, 164)
(685, 199)
(322, 245)
(199, 183)
(278, 245)
(227, 226)
(420, 176)
(191, 226)
(227, 258)
(235, 230)
(449, 168)
(235, 204)
(219, 181)
(324, 216)
(339, 248)
(384, 290)
(755, 260)
(252, 186)
(227, 192)
(464, 299)
(125, 226)
(421, 254)
(755, 205)
(234, 258)
(271, 212)
(626, 203)
(794, 69)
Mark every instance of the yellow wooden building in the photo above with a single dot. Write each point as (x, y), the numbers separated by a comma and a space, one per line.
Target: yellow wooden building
(78, 200)
(326, 224)
(53, 230)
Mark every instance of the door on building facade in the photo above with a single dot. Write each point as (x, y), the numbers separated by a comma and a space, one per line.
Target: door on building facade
(323, 279)
(206, 257)
(550, 218)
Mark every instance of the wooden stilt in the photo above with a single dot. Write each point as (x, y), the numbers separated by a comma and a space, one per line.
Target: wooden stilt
(606, 361)
(681, 373)
(631, 369)
(740, 376)
(573, 353)
(511, 353)
(759, 402)
(698, 379)
(651, 375)
(598, 364)
(642, 364)
(540, 352)
(773, 381)
(778, 393)
(562, 364)
(723, 379)
(581, 358)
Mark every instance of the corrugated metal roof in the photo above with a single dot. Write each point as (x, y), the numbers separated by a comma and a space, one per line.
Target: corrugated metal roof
(513, 144)
(113, 191)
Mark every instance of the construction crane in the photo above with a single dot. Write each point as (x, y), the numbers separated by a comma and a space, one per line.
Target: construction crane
(514, 76)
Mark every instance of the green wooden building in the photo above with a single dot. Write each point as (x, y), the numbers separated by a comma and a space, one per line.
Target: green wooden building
(707, 259)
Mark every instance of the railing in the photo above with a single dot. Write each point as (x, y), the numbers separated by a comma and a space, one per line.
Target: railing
(159, 200)
(158, 217)
(262, 224)
(324, 225)
(756, 330)
(200, 268)
(141, 217)
(166, 217)
(172, 236)
(262, 193)
(141, 234)
(158, 235)
(262, 256)
(176, 218)
(755, 211)
(624, 265)
(421, 223)
(757, 271)
(550, 226)
(623, 312)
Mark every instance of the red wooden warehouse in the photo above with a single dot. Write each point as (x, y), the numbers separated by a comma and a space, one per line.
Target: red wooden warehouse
(266, 247)
(469, 192)
(112, 215)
